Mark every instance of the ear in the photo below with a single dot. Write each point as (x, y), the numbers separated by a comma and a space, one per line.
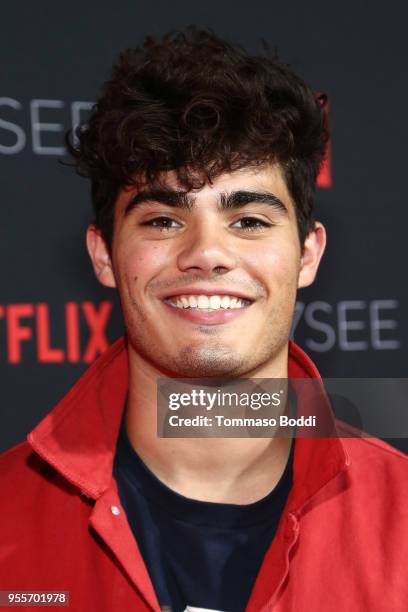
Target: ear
(314, 246)
(99, 254)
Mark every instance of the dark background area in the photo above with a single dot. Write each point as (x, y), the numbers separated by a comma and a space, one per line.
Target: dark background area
(351, 322)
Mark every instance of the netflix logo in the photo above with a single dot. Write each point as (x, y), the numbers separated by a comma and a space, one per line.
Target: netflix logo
(82, 325)
(324, 180)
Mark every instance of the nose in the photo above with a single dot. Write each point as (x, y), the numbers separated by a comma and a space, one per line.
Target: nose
(206, 249)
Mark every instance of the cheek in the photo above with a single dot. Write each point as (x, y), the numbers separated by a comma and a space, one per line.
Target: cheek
(273, 263)
(141, 261)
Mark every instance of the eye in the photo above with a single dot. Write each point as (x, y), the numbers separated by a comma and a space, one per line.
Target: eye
(251, 224)
(162, 223)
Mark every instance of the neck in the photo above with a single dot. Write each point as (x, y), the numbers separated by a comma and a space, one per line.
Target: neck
(223, 470)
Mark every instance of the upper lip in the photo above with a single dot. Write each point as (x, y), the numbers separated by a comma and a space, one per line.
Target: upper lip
(206, 291)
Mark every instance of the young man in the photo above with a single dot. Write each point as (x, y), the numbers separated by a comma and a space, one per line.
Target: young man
(203, 162)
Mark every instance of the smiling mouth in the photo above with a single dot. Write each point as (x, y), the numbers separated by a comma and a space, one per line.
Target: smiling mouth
(207, 303)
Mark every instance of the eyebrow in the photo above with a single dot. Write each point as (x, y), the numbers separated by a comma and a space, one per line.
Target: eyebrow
(184, 200)
(171, 197)
(236, 199)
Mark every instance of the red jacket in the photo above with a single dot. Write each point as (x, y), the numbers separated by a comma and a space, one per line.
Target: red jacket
(341, 543)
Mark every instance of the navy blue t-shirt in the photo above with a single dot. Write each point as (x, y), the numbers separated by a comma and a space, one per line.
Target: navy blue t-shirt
(200, 554)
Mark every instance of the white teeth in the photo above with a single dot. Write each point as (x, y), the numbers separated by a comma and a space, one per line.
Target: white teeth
(206, 302)
(215, 302)
(203, 301)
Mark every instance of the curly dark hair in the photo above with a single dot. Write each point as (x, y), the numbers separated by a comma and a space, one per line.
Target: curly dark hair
(196, 104)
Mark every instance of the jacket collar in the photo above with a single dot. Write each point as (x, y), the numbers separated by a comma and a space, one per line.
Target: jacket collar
(78, 437)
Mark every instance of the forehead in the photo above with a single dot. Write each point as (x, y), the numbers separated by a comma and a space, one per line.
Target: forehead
(266, 179)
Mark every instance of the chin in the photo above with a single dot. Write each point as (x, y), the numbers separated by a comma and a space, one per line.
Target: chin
(207, 363)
